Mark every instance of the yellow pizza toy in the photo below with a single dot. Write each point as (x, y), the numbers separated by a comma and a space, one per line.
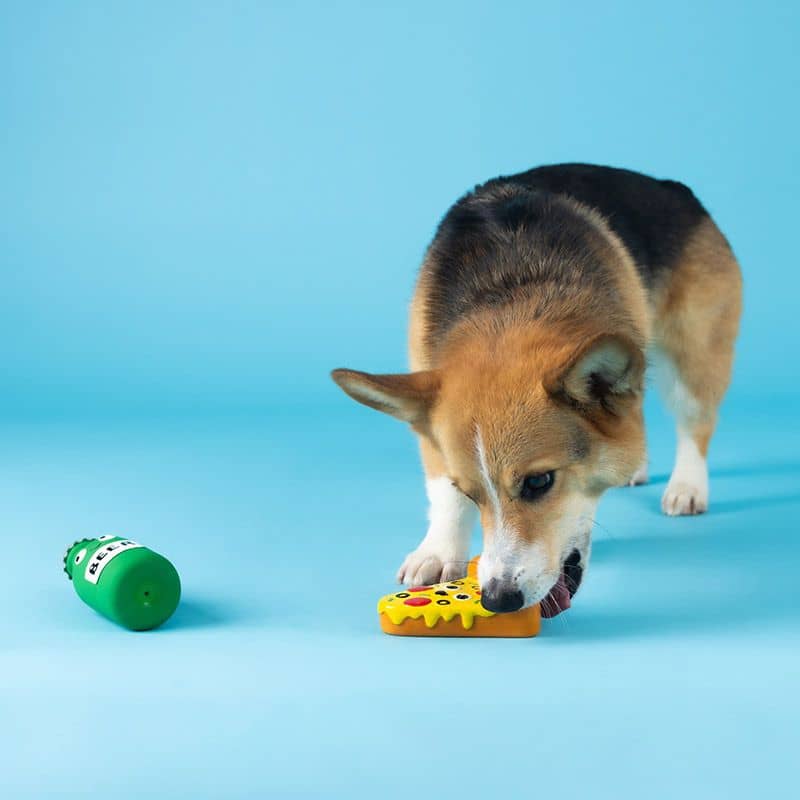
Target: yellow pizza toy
(452, 609)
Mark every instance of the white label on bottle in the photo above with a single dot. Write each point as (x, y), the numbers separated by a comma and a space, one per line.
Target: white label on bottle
(98, 561)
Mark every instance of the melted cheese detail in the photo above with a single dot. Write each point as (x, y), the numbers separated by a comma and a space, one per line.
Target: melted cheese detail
(462, 596)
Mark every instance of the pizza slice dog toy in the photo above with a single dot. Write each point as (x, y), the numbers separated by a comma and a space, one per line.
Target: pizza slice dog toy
(452, 609)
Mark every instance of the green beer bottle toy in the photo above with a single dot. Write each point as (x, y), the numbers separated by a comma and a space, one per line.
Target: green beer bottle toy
(124, 581)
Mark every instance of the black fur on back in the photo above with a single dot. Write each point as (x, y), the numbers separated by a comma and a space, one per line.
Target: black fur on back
(517, 232)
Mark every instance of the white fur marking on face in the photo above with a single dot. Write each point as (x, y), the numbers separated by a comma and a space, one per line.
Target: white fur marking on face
(491, 490)
(502, 550)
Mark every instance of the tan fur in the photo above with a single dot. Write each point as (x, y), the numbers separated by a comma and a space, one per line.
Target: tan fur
(418, 356)
(507, 380)
(696, 320)
(496, 384)
(499, 360)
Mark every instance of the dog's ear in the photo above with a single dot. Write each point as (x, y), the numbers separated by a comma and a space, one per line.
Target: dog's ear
(408, 397)
(604, 375)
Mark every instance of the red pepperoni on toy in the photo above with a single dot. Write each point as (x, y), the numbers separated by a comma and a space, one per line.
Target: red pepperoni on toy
(417, 601)
(419, 588)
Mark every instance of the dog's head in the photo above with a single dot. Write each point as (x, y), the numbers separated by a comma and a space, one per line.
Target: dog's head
(532, 432)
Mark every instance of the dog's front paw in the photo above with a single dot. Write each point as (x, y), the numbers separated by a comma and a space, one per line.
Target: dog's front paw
(681, 498)
(639, 478)
(425, 566)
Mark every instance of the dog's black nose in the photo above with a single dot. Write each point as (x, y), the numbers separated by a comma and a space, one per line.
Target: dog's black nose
(501, 597)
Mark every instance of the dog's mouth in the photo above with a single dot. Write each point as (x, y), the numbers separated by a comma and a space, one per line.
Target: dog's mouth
(560, 596)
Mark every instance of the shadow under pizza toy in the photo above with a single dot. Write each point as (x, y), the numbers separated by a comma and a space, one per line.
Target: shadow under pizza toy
(124, 581)
(452, 609)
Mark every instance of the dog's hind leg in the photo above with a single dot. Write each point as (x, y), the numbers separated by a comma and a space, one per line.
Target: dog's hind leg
(687, 490)
(639, 477)
(697, 319)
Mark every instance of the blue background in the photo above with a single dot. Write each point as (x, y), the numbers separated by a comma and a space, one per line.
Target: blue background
(203, 208)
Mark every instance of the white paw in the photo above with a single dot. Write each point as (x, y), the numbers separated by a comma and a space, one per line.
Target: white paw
(424, 566)
(681, 498)
(639, 477)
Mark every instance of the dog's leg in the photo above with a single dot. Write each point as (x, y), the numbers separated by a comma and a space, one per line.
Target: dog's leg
(443, 554)
(687, 490)
(640, 476)
(695, 331)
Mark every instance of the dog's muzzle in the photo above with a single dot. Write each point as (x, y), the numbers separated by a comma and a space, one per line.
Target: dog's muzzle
(501, 597)
(504, 596)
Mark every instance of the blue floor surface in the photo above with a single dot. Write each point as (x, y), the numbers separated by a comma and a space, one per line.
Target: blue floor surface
(674, 675)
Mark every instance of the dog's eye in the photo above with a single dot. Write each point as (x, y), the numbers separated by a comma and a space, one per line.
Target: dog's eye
(534, 486)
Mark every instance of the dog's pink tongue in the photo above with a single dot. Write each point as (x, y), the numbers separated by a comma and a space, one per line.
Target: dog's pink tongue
(558, 600)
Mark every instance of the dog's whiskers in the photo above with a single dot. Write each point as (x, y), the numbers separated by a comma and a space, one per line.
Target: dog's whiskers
(603, 528)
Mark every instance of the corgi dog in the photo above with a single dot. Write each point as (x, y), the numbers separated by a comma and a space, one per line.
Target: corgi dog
(539, 302)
